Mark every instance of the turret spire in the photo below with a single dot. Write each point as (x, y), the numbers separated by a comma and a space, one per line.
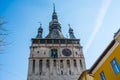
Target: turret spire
(40, 30)
(54, 16)
(53, 7)
(71, 34)
(54, 26)
(40, 24)
(69, 25)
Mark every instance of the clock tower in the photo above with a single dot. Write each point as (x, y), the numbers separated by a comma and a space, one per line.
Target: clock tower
(55, 57)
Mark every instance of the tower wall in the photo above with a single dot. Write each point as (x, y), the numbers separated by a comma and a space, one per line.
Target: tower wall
(55, 57)
(57, 68)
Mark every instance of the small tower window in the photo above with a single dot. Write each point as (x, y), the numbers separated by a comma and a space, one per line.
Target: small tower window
(44, 53)
(61, 63)
(54, 63)
(47, 64)
(40, 73)
(70, 72)
(54, 53)
(75, 65)
(40, 66)
(37, 51)
(68, 63)
(76, 53)
(81, 64)
(33, 69)
(61, 72)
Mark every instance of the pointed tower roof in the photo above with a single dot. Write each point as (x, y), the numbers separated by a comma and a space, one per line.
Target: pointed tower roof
(54, 27)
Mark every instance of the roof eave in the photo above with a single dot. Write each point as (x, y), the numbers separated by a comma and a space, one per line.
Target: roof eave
(101, 56)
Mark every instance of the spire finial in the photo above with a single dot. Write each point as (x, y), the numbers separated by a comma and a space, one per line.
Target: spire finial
(69, 25)
(40, 24)
(54, 7)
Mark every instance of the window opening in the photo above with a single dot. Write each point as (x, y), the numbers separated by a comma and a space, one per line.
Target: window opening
(68, 63)
(40, 66)
(102, 76)
(33, 66)
(54, 53)
(37, 51)
(75, 65)
(115, 66)
(70, 72)
(47, 63)
(61, 72)
(61, 63)
(54, 63)
(81, 64)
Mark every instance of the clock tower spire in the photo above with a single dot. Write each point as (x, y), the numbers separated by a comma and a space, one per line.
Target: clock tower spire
(54, 16)
(55, 27)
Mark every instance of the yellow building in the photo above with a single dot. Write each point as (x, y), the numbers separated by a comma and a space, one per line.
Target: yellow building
(107, 66)
(85, 76)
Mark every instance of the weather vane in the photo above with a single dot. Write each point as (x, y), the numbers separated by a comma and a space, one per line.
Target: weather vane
(54, 7)
(40, 24)
(69, 25)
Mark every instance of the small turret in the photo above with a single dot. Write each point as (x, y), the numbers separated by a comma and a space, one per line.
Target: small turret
(40, 30)
(71, 34)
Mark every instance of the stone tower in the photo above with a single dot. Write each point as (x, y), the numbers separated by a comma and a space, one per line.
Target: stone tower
(55, 57)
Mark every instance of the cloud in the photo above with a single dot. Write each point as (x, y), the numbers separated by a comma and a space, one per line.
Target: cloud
(99, 21)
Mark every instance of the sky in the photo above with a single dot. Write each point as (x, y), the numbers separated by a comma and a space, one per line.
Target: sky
(94, 22)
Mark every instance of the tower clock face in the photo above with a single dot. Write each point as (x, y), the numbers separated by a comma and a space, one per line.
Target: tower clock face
(66, 52)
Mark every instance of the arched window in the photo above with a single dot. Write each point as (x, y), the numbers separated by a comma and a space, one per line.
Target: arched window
(70, 72)
(61, 63)
(68, 63)
(38, 52)
(81, 64)
(40, 66)
(54, 63)
(75, 64)
(33, 68)
(61, 72)
(47, 64)
(44, 53)
(76, 53)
